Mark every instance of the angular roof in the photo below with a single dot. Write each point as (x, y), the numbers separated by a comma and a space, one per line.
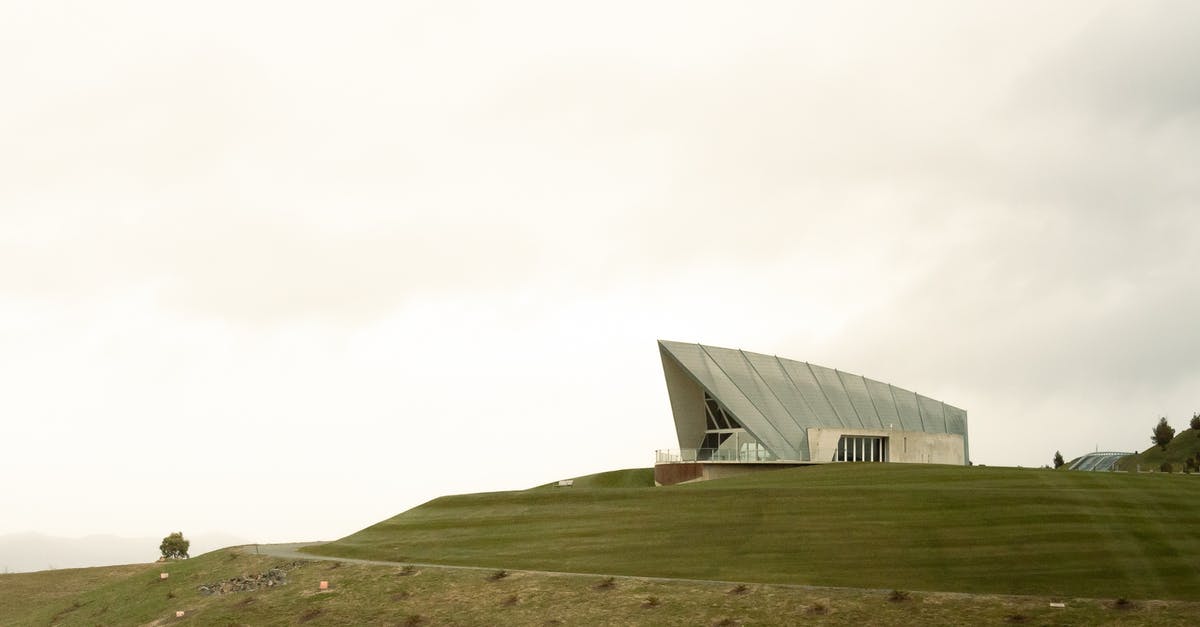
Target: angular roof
(777, 400)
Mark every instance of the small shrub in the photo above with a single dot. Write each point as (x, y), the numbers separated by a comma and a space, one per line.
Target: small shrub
(511, 600)
(898, 596)
(335, 566)
(171, 594)
(400, 596)
(725, 622)
(1123, 604)
(498, 575)
(309, 614)
(414, 620)
(1016, 618)
(741, 588)
(818, 609)
(1166, 467)
(650, 602)
(407, 570)
(607, 584)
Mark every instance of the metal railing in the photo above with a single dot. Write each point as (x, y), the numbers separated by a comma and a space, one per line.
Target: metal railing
(671, 456)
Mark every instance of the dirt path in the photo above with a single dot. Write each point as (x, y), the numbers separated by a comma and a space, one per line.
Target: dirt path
(292, 551)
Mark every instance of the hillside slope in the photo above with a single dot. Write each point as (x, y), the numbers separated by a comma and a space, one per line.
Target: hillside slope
(361, 594)
(1003, 530)
(1184, 445)
(625, 478)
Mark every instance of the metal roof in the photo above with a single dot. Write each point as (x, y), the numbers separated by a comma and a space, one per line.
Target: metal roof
(777, 400)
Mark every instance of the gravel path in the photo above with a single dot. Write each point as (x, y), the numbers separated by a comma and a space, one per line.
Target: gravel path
(292, 551)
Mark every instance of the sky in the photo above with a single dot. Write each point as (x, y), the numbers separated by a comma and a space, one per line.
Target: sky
(283, 270)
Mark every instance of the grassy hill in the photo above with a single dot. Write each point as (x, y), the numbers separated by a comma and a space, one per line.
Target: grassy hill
(626, 478)
(1082, 538)
(998, 530)
(389, 595)
(1184, 445)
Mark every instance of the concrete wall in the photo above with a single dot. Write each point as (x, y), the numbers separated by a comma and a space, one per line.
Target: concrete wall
(721, 471)
(906, 447)
(687, 404)
(683, 472)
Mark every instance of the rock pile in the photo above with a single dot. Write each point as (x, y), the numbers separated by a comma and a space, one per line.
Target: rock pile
(269, 579)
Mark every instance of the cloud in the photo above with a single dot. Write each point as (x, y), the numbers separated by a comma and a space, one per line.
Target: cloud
(399, 220)
(1133, 64)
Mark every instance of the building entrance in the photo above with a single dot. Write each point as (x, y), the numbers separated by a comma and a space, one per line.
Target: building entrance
(861, 448)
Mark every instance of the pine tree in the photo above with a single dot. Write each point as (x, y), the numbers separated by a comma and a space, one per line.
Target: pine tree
(1162, 434)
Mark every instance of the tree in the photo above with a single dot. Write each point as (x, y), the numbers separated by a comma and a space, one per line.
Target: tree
(1195, 424)
(1058, 460)
(174, 546)
(1162, 434)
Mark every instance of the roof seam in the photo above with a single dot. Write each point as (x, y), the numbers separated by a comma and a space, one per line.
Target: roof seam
(826, 395)
(871, 400)
(767, 420)
(837, 374)
(772, 390)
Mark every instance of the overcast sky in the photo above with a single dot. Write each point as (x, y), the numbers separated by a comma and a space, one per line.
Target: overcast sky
(283, 270)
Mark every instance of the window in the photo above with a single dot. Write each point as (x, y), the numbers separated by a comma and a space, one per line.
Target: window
(721, 426)
(718, 415)
(861, 448)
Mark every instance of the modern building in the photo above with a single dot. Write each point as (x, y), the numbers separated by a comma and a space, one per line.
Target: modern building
(737, 411)
(1098, 461)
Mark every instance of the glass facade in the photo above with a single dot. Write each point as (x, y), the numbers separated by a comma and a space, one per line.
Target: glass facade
(725, 399)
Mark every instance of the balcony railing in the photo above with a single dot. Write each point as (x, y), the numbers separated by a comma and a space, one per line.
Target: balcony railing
(745, 455)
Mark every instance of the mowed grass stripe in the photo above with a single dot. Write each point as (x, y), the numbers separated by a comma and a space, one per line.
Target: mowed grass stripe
(1001, 530)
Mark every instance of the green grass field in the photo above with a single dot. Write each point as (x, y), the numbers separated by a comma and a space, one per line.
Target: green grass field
(914, 527)
(388, 595)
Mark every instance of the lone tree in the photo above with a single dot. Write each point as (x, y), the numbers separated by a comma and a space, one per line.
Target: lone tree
(1058, 460)
(1195, 424)
(174, 546)
(1162, 434)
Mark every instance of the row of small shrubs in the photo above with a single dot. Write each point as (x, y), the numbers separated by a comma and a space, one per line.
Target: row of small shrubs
(1190, 465)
